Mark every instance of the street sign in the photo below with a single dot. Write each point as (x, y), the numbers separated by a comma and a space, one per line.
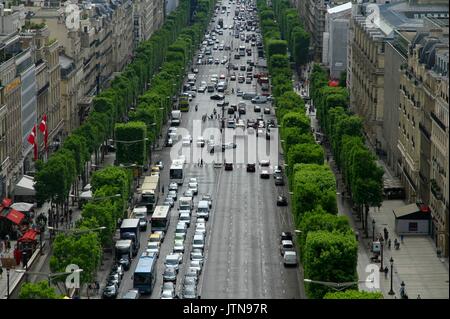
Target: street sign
(8, 263)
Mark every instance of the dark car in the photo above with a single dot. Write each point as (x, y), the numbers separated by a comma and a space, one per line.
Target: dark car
(217, 97)
(251, 167)
(279, 180)
(286, 236)
(266, 110)
(228, 166)
(170, 274)
(111, 291)
(281, 200)
(125, 262)
(242, 110)
(114, 278)
(230, 110)
(257, 108)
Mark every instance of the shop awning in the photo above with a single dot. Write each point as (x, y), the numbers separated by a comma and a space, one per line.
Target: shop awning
(6, 202)
(25, 187)
(15, 216)
(22, 207)
(30, 235)
(412, 211)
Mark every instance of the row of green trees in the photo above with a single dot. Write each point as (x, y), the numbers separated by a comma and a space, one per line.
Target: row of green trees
(292, 30)
(112, 186)
(56, 177)
(328, 247)
(344, 130)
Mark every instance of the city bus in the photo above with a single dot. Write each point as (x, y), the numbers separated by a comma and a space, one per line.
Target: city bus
(183, 103)
(176, 171)
(144, 277)
(161, 218)
(150, 192)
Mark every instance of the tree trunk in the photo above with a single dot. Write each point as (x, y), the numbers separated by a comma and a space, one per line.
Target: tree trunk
(365, 220)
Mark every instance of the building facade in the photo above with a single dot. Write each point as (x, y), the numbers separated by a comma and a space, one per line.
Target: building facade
(423, 122)
(334, 53)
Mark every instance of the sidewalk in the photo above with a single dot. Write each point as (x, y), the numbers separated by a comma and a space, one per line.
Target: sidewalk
(415, 263)
(41, 262)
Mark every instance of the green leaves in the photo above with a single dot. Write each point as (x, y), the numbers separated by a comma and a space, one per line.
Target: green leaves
(354, 294)
(330, 257)
(83, 250)
(131, 144)
(39, 290)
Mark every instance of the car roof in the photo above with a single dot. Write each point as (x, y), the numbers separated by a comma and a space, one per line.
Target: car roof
(287, 242)
(290, 252)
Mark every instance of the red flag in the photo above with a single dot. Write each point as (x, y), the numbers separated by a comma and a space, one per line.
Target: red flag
(32, 140)
(32, 136)
(44, 129)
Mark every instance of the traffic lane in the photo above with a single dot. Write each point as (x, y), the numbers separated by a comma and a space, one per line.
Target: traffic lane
(283, 281)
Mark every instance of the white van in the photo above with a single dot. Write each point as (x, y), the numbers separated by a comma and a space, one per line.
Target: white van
(181, 229)
(203, 209)
(185, 217)
(198, 242)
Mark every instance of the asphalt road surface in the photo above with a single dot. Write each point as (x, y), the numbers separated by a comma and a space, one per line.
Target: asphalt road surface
(242, 256)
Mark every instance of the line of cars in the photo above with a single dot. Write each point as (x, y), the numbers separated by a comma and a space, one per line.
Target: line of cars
(174, 260)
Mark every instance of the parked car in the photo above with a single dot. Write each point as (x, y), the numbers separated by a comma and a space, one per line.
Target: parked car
(282, 200)
(111, 291)
(251, 167)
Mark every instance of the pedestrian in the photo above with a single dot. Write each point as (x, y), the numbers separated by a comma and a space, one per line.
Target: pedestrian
(389, 243)
(401, 238)
(8, 245)
(1, 272)
(418, 297)
(163, 189)
(201, 162)
(386, 271)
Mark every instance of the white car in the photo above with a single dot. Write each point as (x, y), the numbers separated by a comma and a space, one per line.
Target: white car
(188, 193)
(290, 258)
(153, 247)
(173, 261)
(200, 221)
(187, 140)
(196, 264)
(193, 180)
(167, 294)
(193, 187)
(200, 227)
(264, 162)
(178, 246)
(173, 187)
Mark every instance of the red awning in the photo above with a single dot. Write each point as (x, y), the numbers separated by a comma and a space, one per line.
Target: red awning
(15, 216)
(30, 235)
(7, 202)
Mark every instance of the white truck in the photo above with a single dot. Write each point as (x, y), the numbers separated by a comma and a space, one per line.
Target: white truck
(176, 117)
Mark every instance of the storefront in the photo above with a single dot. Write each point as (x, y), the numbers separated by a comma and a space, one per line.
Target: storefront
(413, 219)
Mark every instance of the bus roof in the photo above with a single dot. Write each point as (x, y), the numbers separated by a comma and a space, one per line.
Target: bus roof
(177, 163)
(161, 212)
(145, 264)
(130, 222)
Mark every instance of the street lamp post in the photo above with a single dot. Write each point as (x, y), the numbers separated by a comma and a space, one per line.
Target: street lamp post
(373, 229)
(391, 292)
(381, 247)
